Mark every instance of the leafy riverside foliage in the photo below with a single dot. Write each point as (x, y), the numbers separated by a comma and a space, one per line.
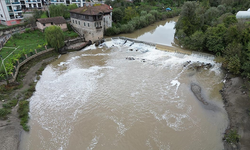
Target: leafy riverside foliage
(24, 44)
(128, 16)
(54, 36)
(212, 27)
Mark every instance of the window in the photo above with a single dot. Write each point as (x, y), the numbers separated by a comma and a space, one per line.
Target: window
(79, 22)
(73, 21)
(88, 24)
(87, 17)
(84, 24)
(43, 24)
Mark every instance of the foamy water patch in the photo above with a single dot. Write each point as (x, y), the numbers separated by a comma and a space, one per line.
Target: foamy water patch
(51, 106)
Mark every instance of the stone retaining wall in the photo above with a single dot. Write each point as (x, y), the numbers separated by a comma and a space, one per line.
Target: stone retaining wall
(26, 60)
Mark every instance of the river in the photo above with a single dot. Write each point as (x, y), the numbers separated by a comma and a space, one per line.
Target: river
(99, 99)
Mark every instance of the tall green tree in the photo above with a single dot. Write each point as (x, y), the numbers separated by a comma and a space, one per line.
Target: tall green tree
(117, 15)
(54, 37)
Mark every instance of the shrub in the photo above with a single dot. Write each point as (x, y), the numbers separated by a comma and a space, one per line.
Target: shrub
(143, 13)
(150, 18)
(4, 113)
(232, 137)
(143, 21)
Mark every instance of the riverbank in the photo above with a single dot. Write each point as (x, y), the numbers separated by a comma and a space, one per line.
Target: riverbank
(10, 129)
(237, 104)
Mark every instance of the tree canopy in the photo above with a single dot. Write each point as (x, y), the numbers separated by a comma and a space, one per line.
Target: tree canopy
(54, 37)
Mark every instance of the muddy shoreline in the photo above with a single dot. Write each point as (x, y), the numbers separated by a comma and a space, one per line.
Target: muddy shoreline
(10, 129)
(234, 93)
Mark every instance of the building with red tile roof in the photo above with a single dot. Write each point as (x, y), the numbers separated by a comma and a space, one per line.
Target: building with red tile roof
(91, 21)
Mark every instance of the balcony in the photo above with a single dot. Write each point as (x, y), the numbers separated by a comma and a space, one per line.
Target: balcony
(31, 1)
(17, 9)
(19, 17)
(75, 1)
(57, 1)
(15, 3)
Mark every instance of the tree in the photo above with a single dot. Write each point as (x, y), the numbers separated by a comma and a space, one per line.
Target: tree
(129, 13)
(59, 10)
(117, 15)
(214, 38)
(54, 37)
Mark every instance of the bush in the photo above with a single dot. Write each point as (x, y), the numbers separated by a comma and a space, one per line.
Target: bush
(143, 13)
(232, 137)
(150, 18)
(4, 113)
(143, 21)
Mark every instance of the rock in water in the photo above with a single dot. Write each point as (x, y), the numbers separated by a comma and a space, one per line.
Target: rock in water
(196, 89)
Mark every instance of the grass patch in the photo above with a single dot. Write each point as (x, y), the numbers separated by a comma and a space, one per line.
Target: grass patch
(44, 15)
(23, 111)
(70, 34)
(10, 104)
(232, 137)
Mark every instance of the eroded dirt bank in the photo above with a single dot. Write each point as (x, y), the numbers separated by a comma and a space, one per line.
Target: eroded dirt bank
(237, 104)
(10, 129)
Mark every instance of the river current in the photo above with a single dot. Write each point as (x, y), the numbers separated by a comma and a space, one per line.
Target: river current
(128, 97)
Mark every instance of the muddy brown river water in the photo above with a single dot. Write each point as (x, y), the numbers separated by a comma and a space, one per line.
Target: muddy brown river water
(96, 99)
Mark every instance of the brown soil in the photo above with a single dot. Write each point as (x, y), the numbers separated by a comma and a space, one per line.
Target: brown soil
(237, 104)
(10, 129)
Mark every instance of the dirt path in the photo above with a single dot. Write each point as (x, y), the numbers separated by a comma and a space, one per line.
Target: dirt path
(10, 129)
(237, 102)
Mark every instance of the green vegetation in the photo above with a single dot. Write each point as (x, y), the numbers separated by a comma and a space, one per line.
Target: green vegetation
(211, 26)
(23, 111)
(61, 10)
(232, 137)
(128, 16)
(44, 15)
(21, 45)
(54, 36)
(70, 34)
(4, 112)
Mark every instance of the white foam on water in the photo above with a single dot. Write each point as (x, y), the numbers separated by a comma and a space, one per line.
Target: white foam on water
(93, 143)
(89, 47)
(174, 120)
(121, 129)
(48, 98)
(177, 84)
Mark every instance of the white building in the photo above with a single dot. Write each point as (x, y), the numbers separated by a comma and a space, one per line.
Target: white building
(10, 12)
(29, 4)
(79, 3)
(243, 15)
(91, 21)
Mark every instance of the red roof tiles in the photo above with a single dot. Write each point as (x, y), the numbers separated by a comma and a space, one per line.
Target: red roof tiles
(92, 10)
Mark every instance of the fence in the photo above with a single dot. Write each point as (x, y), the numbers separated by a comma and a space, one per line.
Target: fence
(21, 62)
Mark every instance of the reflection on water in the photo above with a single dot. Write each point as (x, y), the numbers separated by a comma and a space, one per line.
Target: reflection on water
(161, 32)
(97, 98)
